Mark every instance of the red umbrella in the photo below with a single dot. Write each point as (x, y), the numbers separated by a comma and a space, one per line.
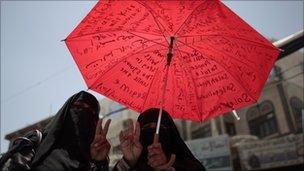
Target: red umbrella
(195, 59)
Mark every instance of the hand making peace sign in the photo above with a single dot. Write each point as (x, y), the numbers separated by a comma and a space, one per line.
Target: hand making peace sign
(129, 142)
(100, 147)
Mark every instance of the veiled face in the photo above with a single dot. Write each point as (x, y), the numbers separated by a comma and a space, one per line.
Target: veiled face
(72, 130)
(152, 127)
(148, 130)
(148, 123)
(85, 119)
(80, 123)
(87, 109)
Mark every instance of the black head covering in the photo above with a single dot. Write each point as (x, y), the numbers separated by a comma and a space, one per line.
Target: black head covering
(170, 140)
(67, 138)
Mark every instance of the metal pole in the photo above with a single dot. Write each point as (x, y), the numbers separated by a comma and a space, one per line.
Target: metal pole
(169, 58)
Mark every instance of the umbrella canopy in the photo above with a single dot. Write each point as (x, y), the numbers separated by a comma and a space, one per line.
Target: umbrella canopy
(208, 58)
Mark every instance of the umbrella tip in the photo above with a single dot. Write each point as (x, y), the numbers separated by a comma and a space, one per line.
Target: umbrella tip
(63, 40)
(236, 115)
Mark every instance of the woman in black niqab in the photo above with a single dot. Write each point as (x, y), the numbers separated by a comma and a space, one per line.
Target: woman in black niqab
(170, 140)
(67, 139)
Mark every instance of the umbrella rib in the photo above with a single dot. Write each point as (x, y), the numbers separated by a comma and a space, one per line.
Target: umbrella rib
(157, 23)
(234, 37)
(127, 32)
(188, 18)
(119, 61)
(146, 33)
(199, 109)
(106, 31)
(151, 84)
(234, 77)
(147, 39)
(252, 67)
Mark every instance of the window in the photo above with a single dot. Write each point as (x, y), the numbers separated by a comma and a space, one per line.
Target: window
(202, 132)
(261, 120)
(297, 107)
(263, 126)
(230, 128)
(229, 124)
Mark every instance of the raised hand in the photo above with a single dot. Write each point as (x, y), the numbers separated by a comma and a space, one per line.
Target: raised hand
(156, 156)
(129, 142)
(100, 147)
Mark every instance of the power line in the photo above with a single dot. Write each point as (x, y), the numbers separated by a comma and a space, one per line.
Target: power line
(36, 84)
(292, 67)
(270, 85)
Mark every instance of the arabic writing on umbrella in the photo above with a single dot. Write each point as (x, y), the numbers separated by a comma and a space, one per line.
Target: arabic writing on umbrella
(220, 63)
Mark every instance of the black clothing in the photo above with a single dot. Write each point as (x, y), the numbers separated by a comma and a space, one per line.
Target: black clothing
(21, 152)
(170, 140)
(67, 139)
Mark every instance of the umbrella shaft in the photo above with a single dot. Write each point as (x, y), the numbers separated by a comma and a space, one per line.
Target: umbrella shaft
(159, 120)
(170, 52)
(162, 99)
(169, 58)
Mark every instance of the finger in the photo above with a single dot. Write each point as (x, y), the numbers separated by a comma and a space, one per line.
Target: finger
(96, 139)
(138, 144)
(103, 145)
(130, 126)
(154, 146)
(151, 146)
(137, 131)
(98, 144)
(157, 147)
(106, 127)
(156, 161)
(98, 127)
(169, 164)
(153, 152)
(156, 139)
(102, 149)
(121, 136)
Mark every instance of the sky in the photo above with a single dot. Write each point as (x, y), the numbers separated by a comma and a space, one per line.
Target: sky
(38, 73)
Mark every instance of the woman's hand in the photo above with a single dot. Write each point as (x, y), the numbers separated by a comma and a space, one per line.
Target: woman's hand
(100, 147)
(156, 156)
(129, 142)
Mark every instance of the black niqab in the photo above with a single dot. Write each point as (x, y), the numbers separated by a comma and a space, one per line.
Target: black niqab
(170, 140)
(67, 139)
